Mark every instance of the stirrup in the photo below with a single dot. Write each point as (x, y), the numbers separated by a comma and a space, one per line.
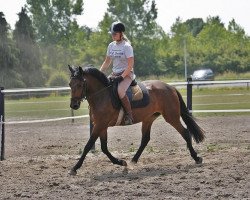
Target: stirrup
(128, 120)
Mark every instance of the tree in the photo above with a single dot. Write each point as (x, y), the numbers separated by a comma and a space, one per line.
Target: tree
(179, 46)
(235, 28)
(239, 52)
(195, 25)
(52, 18)
(29, 54)
(139, 17)
(215, 21)
(8, 60)
(53, 21)
(220, 49)
(95, 48)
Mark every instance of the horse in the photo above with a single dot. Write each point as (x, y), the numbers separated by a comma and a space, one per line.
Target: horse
(93, 85)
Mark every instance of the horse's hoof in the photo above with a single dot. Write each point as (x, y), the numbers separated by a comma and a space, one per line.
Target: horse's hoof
(124, 163)
(130, 166)
(125, 170)
(199, 161)
(72, 172)
(133, 162)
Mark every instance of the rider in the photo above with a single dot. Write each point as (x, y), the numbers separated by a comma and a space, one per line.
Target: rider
(121, 53)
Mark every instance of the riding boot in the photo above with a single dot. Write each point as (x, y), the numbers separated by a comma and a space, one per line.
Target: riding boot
(128, 118)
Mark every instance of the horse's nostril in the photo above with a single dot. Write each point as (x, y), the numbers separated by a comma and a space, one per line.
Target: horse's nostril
(75, 107)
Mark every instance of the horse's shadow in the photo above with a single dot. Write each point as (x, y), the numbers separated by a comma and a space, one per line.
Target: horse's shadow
(141, 173)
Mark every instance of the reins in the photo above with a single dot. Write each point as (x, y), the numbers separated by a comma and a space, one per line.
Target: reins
(96, 93)
(84, 94)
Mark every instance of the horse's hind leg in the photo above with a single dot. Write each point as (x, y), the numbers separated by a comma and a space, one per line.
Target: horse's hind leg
(146, 128)
(187, 137)
(104, 147)
(175, 122)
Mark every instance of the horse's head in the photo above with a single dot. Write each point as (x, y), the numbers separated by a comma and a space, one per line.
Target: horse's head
(78, 87)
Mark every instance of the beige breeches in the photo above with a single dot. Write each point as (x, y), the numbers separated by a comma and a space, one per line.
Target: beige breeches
(123, 86)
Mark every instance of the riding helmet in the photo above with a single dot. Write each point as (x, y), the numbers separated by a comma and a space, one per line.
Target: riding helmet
(116, 27)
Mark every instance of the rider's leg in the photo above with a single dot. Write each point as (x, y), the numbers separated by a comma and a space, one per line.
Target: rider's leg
(122, 88)
(128, 111)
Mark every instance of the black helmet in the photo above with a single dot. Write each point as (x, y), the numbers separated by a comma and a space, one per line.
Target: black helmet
(116, 27)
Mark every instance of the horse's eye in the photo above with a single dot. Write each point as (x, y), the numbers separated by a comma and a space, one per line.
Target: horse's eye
(78, 85)
(69, 84)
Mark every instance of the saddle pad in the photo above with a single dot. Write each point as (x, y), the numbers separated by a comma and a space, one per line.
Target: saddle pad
(136, 93)
(141, 99)
(138, 100)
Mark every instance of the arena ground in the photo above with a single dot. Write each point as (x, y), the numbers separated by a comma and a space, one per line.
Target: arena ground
(38, 157)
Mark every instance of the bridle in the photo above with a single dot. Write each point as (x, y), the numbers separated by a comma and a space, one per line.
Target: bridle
(84, 94)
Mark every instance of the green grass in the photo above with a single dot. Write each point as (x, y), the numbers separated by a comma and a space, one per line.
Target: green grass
(220, 99)
(233, 76)
(176, 78)
(41, 108)
(165, 78)
(58, 106)
(213, 147)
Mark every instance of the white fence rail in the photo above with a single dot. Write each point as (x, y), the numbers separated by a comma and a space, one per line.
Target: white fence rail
(189, 85)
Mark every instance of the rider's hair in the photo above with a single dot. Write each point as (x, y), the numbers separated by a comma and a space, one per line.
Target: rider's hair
(124, 37)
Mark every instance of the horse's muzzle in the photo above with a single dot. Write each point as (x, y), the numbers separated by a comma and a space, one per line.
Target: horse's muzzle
(75, 104)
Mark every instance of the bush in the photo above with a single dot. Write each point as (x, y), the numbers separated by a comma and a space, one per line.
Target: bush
(58, 79)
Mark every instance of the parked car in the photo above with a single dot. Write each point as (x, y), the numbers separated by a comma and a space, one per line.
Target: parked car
(203, 75)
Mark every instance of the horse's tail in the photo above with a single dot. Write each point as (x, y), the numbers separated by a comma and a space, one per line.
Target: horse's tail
(197, 132)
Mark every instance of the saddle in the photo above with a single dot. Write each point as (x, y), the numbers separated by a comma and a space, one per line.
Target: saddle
(137, 93)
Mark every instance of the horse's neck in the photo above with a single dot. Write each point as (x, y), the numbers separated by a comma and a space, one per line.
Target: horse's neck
(96, 89)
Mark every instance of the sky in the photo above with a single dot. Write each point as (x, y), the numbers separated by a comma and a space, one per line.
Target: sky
(168, 11)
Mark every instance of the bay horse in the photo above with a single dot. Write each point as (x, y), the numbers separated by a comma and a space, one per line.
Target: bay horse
(93, 85)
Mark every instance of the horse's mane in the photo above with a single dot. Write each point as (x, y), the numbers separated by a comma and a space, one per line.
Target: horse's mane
(97, 74)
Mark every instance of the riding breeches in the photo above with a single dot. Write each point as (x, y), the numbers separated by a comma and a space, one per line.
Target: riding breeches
(123, 86)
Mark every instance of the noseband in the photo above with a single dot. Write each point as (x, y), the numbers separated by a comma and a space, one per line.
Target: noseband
(84, 90)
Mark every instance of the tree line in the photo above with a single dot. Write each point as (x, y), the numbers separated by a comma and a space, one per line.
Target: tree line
(47, 37)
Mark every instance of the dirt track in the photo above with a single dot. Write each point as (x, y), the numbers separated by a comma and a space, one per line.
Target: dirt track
(39, 156)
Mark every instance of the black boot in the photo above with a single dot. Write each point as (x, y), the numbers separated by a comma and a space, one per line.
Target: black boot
(128, 118)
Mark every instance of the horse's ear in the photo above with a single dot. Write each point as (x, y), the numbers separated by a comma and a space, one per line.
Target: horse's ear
(80, 70)
(71, 69)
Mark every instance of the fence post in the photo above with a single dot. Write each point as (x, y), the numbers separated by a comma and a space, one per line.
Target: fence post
(72, 115)
(189, 94)
(2, 149)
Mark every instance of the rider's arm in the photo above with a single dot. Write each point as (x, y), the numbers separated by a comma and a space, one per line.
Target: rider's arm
(105, 64)
(129, 68)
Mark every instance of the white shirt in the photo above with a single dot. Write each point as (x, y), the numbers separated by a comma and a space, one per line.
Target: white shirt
(119, 53)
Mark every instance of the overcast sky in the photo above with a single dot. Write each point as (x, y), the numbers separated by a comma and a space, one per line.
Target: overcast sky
(168, 11)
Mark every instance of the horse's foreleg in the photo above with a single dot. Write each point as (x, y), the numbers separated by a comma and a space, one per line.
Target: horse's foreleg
(104, 147)
(87, 148)
(146, 128)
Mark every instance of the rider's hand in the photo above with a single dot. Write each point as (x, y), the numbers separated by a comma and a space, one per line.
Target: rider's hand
(117, 79)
